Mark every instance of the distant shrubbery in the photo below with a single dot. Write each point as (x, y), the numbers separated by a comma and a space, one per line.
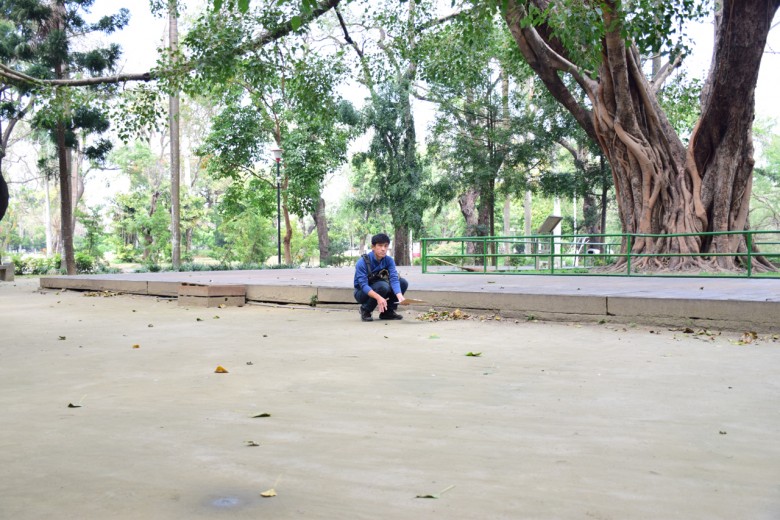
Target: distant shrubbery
(187, 267)
(36, 265)
(40, 266)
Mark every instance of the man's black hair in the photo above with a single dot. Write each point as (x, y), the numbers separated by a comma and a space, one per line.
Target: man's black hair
(380, 238)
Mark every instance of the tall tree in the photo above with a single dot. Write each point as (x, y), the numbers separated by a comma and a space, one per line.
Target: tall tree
(388, 61)
(283, 96)
(51, 30)
(662, 186)
(173, 122)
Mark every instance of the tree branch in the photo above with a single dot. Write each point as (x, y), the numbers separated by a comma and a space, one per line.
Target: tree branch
(546, 63)
(665, 72)
(262, 40)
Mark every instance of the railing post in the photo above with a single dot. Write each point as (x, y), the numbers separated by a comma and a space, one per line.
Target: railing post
(629, 246)
(423, 255)
(484, 255)
(552, 254)
(749, 243)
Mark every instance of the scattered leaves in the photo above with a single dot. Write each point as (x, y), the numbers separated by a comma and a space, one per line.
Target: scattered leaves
(434, 315)
(269, 493)
(136, 346)
(62, 338)
(722, 432)
(198, 319)
(220, 370)
(474, 354)
(261, 415)
(71, 405)
(251, 444)
(102, 294)
(216, 317)
(747, 338)
(249, 363)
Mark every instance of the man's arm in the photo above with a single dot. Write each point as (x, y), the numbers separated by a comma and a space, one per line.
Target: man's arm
(395, 284)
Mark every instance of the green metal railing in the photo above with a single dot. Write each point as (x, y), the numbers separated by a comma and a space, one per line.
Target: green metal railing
(578, 254)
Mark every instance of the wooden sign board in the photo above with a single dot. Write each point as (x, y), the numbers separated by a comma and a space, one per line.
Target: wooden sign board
(548, 225)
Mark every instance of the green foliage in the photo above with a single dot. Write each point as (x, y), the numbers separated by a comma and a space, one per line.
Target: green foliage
(141, 216)
(138, 112)
(30, 43)
(31, 265)
(389, 177)
(92, 243)
(680, 100)
(246, 234)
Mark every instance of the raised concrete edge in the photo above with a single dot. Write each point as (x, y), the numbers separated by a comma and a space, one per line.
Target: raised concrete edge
(211, 301)
(303, 294)
(764, 314)
(93, 284)
(517, 303)
(200, 289)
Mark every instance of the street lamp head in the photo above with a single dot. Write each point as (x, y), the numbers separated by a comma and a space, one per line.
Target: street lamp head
(277, 154)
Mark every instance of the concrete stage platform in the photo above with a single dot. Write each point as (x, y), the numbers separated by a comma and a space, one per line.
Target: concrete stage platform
(732, 304)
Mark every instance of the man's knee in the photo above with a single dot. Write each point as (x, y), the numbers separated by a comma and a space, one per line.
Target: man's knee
(404, 285)
(382, 288)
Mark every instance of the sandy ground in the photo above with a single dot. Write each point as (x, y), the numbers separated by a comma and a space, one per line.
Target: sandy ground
(551, 421)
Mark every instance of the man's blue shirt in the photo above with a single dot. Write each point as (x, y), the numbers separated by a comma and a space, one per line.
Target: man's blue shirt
(361, 272)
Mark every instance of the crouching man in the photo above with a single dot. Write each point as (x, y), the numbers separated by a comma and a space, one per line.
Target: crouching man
(377, 284)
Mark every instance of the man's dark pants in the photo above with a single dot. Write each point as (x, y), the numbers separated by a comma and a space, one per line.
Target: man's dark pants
(382, 288)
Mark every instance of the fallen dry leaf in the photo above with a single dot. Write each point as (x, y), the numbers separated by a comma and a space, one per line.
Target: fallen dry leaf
(261, 415)
(136, 346)
(270, 493)
(220, 370)
(252, 443)
(437, 495)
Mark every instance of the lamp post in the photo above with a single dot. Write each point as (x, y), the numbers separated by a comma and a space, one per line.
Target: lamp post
(278, 157)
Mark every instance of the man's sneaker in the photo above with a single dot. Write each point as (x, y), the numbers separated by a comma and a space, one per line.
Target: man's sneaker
(390, 315)
(365, 315)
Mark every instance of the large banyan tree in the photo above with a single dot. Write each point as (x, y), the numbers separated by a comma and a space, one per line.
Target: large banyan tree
(596, 47)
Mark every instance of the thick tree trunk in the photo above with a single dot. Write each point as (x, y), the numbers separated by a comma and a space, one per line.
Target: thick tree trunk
(401, 246)
(321, 221)
(173, 118)
(468, 208)
(721, 147)
(662, 188)
(66, 206)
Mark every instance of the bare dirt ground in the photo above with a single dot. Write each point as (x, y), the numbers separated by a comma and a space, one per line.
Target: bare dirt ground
(550, 421)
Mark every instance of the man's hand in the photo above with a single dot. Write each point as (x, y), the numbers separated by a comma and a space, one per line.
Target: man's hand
(400, 297)
(381, 303)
